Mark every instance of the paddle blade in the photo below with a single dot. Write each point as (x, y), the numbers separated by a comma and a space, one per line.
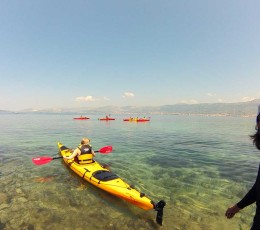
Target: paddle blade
(41, 160)
(106, 149)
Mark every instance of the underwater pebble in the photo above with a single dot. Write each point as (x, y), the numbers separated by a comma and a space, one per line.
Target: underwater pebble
(22, 199)
(3, 198)
(18, 191)
(3, 206)
(3, 217)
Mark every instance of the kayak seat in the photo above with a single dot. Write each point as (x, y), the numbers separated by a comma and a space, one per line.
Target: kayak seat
(104, 175)
(62, 148)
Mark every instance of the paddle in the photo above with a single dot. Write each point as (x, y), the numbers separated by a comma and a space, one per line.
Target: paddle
(46, 160)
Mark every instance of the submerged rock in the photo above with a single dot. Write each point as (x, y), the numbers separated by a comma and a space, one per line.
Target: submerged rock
(3, 198)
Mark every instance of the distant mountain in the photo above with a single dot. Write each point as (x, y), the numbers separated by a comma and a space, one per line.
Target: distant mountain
(231, 109)
(5, 112)
(218, 109)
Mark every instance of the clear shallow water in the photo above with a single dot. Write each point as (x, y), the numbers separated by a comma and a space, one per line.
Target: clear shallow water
(198, 165)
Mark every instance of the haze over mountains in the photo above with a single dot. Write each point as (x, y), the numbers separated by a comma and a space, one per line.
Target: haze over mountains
(220, 109)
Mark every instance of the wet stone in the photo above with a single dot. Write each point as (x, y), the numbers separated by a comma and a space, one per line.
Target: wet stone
(3, 206)
(2, 225)
(31, 227)
(22, 199)
(3, 198)
(18, 191)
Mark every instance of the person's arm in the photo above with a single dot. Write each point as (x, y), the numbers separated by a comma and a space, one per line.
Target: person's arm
(93, 152)
(75, 153)
(232, 211)
(248, 199)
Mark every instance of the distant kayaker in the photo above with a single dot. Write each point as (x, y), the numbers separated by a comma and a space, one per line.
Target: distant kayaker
(84, 152)
(253, 195)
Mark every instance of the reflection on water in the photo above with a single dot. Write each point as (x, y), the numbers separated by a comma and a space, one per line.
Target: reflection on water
(198, 165)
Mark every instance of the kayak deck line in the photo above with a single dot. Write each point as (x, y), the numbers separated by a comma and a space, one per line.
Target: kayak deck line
(108, 181)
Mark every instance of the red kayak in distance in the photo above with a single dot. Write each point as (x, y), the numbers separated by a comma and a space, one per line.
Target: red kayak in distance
(81, 118)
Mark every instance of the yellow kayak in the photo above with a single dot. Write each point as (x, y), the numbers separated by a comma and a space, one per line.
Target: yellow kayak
(104, 179)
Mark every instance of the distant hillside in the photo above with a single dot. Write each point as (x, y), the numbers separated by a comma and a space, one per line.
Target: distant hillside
(5, 112)
(222, 109)
(232, 109)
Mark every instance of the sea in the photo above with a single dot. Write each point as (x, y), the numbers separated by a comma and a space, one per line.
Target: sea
(199, 165)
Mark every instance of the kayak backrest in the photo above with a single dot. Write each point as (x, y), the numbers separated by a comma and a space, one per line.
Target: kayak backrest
(104, 175)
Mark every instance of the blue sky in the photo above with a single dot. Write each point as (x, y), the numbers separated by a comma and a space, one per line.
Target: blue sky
(60, 53)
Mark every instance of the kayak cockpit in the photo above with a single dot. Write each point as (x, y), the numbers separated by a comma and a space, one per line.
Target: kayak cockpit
(104, 175)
